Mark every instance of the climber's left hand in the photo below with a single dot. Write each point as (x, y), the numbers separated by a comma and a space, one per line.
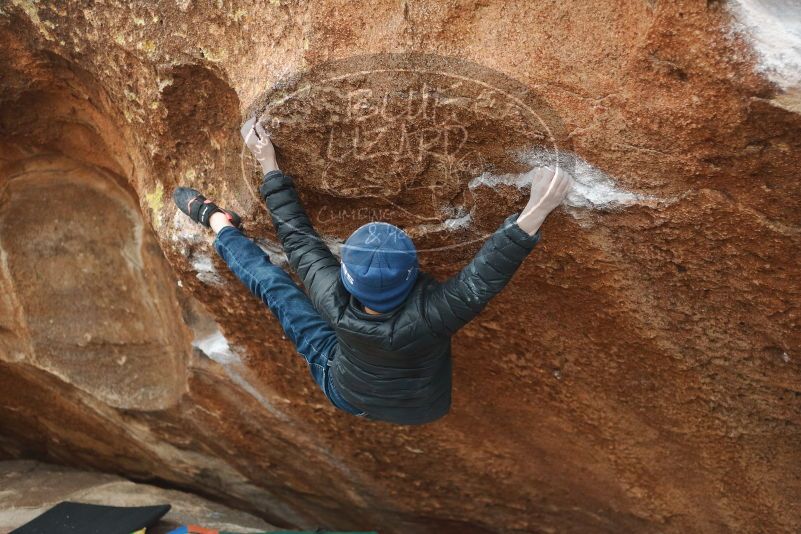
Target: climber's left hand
(549, 187)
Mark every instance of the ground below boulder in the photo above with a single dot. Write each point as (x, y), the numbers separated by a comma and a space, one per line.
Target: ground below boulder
(28, 489)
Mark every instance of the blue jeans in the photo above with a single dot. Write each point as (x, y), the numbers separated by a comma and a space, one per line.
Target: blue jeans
(312, 336)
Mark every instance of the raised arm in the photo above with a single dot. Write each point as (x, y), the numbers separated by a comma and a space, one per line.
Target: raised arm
(451, 305)
(308, 255)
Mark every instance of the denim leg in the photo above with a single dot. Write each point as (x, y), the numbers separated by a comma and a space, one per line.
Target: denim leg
(311, 334)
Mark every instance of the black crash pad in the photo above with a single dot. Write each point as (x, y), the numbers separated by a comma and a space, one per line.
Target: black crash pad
(78, 518)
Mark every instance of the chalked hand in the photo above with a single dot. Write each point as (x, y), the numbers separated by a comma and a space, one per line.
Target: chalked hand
(258, 141)
(549, 188)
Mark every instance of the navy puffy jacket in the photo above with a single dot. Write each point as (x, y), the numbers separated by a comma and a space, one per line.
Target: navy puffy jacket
(395, 366)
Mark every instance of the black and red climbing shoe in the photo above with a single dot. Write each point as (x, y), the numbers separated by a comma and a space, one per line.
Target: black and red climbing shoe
(199, 208)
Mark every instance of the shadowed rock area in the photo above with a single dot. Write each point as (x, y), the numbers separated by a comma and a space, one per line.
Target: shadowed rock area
(97, 298)
(641, 373)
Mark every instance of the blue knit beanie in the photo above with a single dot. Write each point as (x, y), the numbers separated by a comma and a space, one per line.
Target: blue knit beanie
(379, 266)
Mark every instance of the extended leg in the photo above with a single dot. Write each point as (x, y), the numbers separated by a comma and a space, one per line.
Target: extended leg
(312, 336)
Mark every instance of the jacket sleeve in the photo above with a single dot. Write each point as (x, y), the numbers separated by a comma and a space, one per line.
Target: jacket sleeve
(452, 304)
(308, 255)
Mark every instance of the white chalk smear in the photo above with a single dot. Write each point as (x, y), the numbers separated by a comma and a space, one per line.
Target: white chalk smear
(456, 223)
(202, 263)
(594, 189)
(204, 268)
(216, 347)
(448, 225)
(186, 230)
(773, 28)
(487, 179)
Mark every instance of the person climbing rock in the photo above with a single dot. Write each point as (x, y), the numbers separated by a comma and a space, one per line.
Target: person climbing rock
(374, 330)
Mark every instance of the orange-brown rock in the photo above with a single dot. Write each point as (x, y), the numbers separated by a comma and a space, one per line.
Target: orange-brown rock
(642, 372)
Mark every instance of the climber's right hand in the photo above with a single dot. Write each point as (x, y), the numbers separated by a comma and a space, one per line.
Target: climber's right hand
(258, 141)
(549, 188)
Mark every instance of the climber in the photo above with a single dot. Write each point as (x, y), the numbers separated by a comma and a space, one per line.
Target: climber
(374, 330)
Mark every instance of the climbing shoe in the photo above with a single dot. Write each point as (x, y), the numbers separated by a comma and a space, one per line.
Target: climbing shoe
(199, 208)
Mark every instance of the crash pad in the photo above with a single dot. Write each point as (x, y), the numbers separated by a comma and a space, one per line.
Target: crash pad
(80, 518)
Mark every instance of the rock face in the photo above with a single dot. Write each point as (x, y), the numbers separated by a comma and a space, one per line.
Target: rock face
(642, 372)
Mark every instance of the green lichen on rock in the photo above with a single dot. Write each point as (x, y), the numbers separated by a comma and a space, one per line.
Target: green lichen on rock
(30, 9)
(148, 46)
(155, 201)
